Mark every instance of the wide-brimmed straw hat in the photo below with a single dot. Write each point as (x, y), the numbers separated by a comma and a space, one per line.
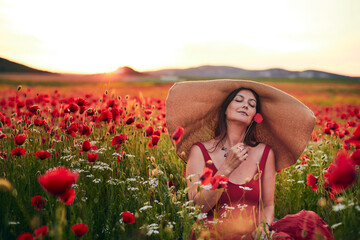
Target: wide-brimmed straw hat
(195, 105)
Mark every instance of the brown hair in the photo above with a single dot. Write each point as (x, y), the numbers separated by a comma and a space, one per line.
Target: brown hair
(221, 128)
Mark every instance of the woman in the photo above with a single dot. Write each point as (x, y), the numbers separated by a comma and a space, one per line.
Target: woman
(237, 160)
(221, 139)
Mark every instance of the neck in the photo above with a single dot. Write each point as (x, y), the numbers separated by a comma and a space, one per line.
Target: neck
(235, 133)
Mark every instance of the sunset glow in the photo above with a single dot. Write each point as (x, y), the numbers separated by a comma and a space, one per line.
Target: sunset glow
(93, 36)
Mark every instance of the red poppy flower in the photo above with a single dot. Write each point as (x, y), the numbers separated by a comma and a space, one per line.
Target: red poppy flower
(170, 183)
(82, 109)
(355, 156)
(68, 197)
(341, 135)
(312, 182)
(80, 229)
(139, 125)
(343, 175)
(112, 129)
(111, 103)
(346, 132)
(130, 120)
(19, 139)
(304, 158)
(18, 151)
(39, 122)
(72, 129)
(206, 176)
(25, 236)
(149, 131)
(3, 136)
(85, 130)
(33, 109)
(92, 157)
(73, 107)
(42, 231)
(154, 141)
(38, 202)
(351, 123)
(258, 118)
(128, 217)
(328, 170)
(58, 180)
(179, 131)
(119, 139)
(355, 139)
(333, 126)
(105, 116)
(327, 131)
(314, 137)
(42, 154)
(115, 113)
(219, 182)
(86, 146)
(20, 104)
(157, 132)
(148, 111)
(81, 102)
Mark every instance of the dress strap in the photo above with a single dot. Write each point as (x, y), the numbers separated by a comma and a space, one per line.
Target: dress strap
(264, 157)
(204, 151)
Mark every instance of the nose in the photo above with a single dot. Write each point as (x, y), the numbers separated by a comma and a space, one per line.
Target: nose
(245, 106)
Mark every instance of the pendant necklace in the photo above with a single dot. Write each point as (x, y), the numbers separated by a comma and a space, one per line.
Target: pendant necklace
(224, 149)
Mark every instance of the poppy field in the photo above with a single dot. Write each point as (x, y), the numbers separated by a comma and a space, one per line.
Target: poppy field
(95, 162)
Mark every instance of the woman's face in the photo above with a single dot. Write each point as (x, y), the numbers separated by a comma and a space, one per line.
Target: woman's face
(242, 107)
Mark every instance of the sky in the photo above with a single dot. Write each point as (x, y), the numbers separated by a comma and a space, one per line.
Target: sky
(86, 36)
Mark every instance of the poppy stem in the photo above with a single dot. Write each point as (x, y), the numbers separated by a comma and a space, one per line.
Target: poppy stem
(247, 130)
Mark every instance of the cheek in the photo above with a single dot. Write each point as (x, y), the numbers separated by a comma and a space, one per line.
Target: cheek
(229, 108)
(253, 112)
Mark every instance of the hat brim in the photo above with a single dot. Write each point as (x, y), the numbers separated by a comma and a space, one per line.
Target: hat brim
(194, 105)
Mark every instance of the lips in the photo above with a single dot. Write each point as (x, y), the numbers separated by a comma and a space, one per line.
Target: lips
(243, 113)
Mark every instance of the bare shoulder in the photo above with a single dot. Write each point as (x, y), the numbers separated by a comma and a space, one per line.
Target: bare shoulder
(195, 163)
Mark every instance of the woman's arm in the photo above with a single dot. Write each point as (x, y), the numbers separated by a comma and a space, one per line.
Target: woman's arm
(194, 168)
(268, 188)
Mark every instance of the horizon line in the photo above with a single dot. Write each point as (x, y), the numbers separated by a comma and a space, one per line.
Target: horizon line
(165, 68)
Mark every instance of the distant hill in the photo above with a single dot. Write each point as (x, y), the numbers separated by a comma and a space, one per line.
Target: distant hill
(7, 66)
(208, 71)
(128, 71)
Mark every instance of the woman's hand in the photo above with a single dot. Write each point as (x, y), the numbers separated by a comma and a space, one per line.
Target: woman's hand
(236, 155)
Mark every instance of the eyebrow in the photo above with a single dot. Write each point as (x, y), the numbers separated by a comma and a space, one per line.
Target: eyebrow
(243, 97)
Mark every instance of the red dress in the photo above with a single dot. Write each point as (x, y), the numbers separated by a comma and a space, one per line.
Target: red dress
(240, 203)
(238, 209)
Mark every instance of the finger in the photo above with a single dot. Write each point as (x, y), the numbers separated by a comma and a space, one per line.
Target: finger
(240, 144)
